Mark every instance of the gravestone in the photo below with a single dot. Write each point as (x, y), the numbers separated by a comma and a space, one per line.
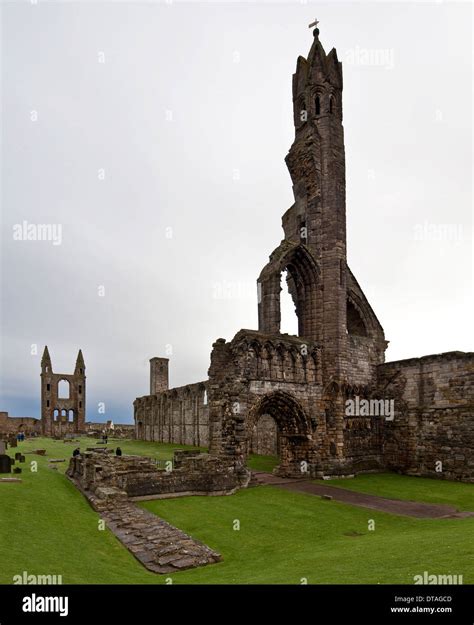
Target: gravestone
(5, 464)
(3, 448)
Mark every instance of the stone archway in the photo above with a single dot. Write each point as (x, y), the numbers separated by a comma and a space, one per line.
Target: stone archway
(293, 429)
(263, 440)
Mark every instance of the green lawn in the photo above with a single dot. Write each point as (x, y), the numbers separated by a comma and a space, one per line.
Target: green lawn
(396, 486)
(262, 463)
(48, 528)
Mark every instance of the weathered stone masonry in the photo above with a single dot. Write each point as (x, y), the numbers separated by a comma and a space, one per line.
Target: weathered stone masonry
(272, 393)
(109, 483)
(63, 398)
(179, 415)
(434, 419)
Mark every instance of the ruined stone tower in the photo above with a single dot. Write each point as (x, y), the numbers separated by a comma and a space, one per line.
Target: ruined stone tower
(63, 398)
(285, 395)
(158, 375)
(329, 303)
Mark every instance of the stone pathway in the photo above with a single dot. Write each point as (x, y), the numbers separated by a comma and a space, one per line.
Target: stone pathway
(159, 546)
(393, 506)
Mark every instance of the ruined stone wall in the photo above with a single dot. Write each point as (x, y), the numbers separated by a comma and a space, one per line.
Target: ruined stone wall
(179, 415)
(363, 359)
(255, 375)
(363, 438)
(189, 473)
(434, 415)
(121, 430)
(11, 425)
(63, 410)
(264, 438)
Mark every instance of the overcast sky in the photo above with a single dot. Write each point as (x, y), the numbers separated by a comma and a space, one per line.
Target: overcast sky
(154, 135)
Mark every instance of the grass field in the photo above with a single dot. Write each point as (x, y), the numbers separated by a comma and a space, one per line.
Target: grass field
(48, 528)
(397, 486)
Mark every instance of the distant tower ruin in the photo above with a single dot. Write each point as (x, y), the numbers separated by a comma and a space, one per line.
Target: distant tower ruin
(158, 375)
(63, 398)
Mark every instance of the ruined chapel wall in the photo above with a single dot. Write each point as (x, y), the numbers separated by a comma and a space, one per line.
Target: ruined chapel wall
(434, 415)
(11, 425)
(179, 415)
(363, 358)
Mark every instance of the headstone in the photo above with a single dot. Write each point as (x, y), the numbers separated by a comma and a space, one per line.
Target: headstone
(5, 464)
(18, 455)
(22, 458)
(17, 470)
(3, 448)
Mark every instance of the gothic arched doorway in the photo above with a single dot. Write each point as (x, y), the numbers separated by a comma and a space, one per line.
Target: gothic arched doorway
(264, 437)
(282, 423)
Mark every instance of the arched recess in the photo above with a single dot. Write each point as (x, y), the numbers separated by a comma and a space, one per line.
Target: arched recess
(263, 439)
(359, 318)
(64, 389)
(355, 323)
(288, 317)
(302, 280)
(292, 424)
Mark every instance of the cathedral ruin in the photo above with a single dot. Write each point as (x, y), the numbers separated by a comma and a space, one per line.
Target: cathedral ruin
(273, 393)
(63, 398)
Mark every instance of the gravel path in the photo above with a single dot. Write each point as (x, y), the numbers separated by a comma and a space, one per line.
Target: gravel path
(393, 506)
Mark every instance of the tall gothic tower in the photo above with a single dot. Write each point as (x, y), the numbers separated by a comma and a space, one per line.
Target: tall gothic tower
(331, 308)
(63, 398)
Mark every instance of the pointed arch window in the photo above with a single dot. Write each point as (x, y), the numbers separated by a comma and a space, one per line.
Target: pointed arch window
(64, 389)
(355, 323)
(318, 105)
(331, 104)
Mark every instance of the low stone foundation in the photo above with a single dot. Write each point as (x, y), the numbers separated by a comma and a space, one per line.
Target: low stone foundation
(156, 544)
(111, 484)
(189, 473)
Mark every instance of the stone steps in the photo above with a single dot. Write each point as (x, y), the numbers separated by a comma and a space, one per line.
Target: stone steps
(159, 546)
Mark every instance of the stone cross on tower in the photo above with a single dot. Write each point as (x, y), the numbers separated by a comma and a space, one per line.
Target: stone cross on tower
(315, 23)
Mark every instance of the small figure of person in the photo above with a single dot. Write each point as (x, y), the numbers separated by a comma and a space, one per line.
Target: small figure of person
(76, 452)
(118, 451)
